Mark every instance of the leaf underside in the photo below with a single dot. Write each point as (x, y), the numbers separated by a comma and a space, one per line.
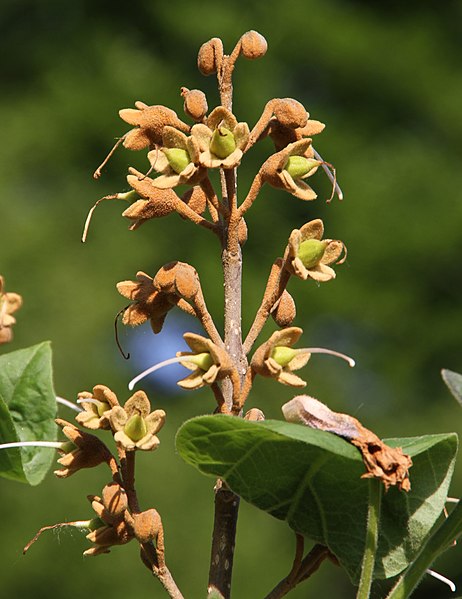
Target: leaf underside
(312, 480)
(27, 412)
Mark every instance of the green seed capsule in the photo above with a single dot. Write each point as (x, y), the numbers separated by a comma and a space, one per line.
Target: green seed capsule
(223, 143)
(311, 252)
(298, 166)
(202, 361)
(102, 406)
(283, 355)
(177, 158)
(136, 428)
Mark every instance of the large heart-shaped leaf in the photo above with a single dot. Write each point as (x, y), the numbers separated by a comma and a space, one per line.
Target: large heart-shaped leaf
(27, 412)
(312, 479)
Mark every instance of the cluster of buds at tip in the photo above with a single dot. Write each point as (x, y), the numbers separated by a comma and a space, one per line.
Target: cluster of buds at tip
(308, 255)
(9, 303)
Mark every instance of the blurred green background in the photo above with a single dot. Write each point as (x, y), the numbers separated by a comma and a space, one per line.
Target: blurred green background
(386, 78)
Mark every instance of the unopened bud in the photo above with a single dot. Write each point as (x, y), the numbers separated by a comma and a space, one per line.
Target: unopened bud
(285, 312)
(146, 526)
(177, 158)
(114, 499)
(311, 252)
(254, 415)
(290, 113)
(242, 232)
(223, 143)
(253, 45)
(210, 56)
(298, 166)
(195, 103)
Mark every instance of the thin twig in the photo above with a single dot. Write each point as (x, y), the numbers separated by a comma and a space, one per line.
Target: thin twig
(277, 282)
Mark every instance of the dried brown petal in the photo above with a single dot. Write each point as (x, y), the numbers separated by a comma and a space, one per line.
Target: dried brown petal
(389, 464)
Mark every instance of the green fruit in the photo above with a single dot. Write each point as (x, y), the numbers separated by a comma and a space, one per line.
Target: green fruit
(177, 158)
(223, 143)
(283, 355)
(311, 252)
(299, 166)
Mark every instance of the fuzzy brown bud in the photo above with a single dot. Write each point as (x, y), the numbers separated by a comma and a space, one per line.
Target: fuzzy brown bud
(114, 499)
(242, 232)
(254, 415)
(284, 311)
(178, 278)
(196, 199)
(210, 56)
(146, 525)
(253, 45)
(290, 113)
(195, 103)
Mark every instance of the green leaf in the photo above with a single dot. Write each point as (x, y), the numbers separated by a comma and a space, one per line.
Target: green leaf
(454, 382)
(312, 479)
(27, 412)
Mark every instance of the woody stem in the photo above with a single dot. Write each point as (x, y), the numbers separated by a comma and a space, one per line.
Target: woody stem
(226, 502)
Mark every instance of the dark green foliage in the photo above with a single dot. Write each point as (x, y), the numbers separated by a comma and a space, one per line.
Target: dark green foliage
(27, 412)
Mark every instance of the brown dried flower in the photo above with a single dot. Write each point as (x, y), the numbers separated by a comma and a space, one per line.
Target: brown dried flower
(285, 120)
(179, 279)
(152, 203)
(389, 464)
(208, 362)
(177, 160)
(88, 451)
(222, 140)
(149, 122)
(148, 302)
(135, 425)
(94, 414)
(276, 359)
(308, 255)
(9, 303)
(111, 509)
